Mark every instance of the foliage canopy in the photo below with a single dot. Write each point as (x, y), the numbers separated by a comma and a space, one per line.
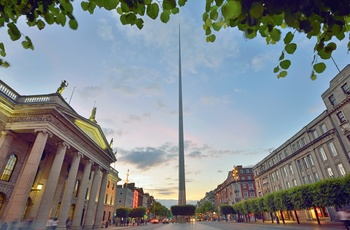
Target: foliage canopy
(323, 20)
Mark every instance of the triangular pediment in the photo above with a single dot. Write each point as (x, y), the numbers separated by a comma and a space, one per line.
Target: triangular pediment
(91, 131)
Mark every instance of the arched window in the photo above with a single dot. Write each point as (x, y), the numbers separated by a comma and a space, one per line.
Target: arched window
(11, 163)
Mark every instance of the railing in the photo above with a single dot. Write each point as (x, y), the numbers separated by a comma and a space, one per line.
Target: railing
(7, 91)
(36, 99)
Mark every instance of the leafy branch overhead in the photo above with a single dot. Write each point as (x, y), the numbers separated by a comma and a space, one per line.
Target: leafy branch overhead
(323, 20)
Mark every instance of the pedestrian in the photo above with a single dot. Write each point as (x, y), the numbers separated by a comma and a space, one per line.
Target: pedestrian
(54, 223)
(344, 217)
(49, 224)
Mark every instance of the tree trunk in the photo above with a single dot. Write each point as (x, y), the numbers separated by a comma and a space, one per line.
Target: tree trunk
(282, 217)
(296, 216)
(318, 219)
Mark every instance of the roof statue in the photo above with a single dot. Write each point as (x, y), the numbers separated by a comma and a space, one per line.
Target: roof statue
(93, 115)
(111, 143)
(63, 85)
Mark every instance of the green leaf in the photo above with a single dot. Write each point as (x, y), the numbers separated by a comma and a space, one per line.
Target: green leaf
(211, 38)
(217, 25)
(319, 67)
(49, 18)
(313, 76)
(73, 24)
(275, 34)
(208, 22)
(219, 2)
(182, 2)
(2, 49)
(153, 10)
(288, 38)
(282, 74)
(27, 44)
(40, 24)
(276, 69)
(282, 56)
(123, 19)
(169, 4)
(110, 4)
(285, 64)
(165, 16)
(176, 10)
(290, 48)
(330, 47)
(256, 9)
(139, 23)
(13, 31)
(214, 14)
(231, 10)
(324, 55)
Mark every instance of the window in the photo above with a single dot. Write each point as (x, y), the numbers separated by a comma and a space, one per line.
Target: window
(285, 152)
(287, 184)
(281, 156)
(299, 165)
(294, 148)
(111, 201)
(341, 117)
(11, 163)
(273, 176)
(285, 174)
(76, 189)
(322, 153)
(277, 175)
(252, 194)
(304, 180)
(247, 171)
(249, 177)
(1, 200)
(345, 88)
(309, 178)
(306, 165)
(303, 141)
(106, 199)
(242, 178)
(341, 169)
(291, 172)
(245, 193)
(316, 177)
(324, 128)
(332, 149)
(332, 100)
(112, 186)
(244, 186)
(295, 182)
(309, 158)
(330, 172)
(108, 184)
(315, 134)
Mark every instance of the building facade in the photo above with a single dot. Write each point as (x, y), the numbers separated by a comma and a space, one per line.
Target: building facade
(53, 162)
(318, 151)
(239, 185)
(110, 203)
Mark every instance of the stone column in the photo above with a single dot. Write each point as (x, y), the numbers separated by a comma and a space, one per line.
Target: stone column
(50, 187)
(24, 183)
(79, 206)
(92, 199)
(68, 191)
(5, 144)
(100, 204)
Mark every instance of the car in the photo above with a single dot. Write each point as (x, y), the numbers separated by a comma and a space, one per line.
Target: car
(165, 221)
(154, 221)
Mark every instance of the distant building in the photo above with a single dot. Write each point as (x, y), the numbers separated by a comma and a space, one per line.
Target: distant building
(53, 161)
(239, 185)
(132, 197)
(110, 203)
(318, 151)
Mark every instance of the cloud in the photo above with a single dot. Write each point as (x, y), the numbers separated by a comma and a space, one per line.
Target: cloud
(215, 100)
(105, 31)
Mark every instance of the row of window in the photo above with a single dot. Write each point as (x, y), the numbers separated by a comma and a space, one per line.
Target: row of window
(346, 90)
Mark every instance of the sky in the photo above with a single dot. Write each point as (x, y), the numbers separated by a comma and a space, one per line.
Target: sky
(236, 110)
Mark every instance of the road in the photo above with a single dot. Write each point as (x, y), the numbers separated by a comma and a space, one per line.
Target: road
(232, 226)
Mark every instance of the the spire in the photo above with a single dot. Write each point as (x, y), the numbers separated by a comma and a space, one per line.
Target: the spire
(182, 186)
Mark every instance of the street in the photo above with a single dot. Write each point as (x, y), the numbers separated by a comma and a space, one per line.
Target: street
(233, 226)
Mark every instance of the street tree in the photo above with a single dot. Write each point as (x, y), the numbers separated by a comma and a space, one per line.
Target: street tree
(226, 209)
(323, 21)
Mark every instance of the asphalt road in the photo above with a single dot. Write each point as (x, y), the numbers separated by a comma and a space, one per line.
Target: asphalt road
(232, 226)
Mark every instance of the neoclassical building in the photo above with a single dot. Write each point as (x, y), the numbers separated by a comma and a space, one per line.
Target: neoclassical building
(53, 161)
(320, 150)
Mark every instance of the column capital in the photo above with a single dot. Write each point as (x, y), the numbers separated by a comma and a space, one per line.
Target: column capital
(79, 154)
(43, 131)
(8, 133)
(63, 143)
(86, 161)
